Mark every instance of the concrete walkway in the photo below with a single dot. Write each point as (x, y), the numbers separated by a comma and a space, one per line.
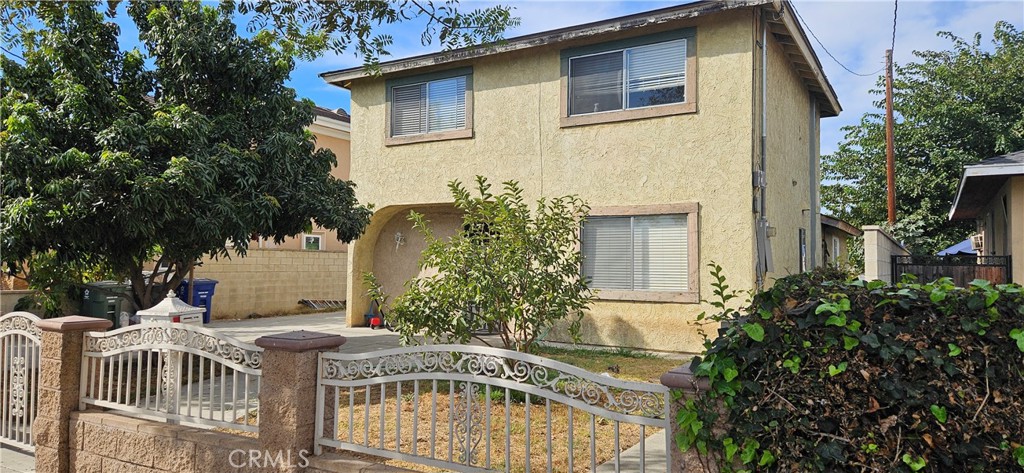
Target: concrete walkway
(16, 461)
(360, 339)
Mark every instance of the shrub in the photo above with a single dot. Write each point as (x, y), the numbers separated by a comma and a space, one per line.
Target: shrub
(509, 270)
(822, 374)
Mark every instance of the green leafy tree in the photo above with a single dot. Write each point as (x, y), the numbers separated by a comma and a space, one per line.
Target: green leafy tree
(308, 29)
(514, 271)
(110, 164)
(954, 108)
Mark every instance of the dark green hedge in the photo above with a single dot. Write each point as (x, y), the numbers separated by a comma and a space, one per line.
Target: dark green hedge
(823, 374)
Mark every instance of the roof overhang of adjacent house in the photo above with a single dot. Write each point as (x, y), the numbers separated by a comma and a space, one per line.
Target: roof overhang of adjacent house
(982, 181)
(841, 225)
(330, 123)
(782, 24)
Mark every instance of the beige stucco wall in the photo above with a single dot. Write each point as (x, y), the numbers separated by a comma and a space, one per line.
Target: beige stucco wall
(702, 157)
(273, 281)
(789, 185)
(1003, 229)
(843, 257)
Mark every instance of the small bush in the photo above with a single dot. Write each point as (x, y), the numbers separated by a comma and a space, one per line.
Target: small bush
(818, 374)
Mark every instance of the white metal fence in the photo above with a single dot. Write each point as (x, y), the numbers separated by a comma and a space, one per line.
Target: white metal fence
(19, 378)
(470, 408)
(175, 372)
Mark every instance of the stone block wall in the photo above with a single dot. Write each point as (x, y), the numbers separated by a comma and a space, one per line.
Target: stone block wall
(879, 247)
(273, 281)
(102, 442)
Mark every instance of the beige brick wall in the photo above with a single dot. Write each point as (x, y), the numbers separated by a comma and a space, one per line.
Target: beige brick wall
(879, 247)
(273, 281)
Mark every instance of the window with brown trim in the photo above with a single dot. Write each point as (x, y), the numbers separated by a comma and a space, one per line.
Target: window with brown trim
(630, 79)
(643, 253)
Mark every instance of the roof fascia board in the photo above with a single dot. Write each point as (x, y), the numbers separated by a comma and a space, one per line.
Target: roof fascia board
(342, 77)
(332, 128)
(982, 170)
(789, 20)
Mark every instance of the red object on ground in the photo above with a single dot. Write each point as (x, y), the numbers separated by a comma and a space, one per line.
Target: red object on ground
(375, 322)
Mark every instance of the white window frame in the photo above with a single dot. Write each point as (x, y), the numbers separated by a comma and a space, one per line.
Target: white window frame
(691, 294)
(319, 239)
(835, 249)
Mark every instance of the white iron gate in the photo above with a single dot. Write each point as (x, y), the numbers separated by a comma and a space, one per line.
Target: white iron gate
(174, 372)
(468, 408)
(19, 378)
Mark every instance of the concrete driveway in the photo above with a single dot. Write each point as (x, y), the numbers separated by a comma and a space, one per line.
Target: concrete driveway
(360, 339)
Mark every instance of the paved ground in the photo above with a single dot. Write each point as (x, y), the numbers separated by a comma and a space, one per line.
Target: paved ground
(16, 461)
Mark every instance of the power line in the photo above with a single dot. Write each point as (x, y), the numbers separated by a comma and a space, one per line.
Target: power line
(895, 10)
(809, 30)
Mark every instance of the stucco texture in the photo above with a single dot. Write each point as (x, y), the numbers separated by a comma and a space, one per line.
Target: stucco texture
(789, 185)
(703, 158)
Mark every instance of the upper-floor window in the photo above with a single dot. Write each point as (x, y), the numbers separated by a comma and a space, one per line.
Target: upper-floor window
(430, 107)
(628, 79)
(644, 76)
(312, 242)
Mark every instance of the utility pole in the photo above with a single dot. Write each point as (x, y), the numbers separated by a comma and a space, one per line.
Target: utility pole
(890, 160)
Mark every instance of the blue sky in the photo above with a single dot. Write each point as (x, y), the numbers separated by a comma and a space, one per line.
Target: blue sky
(856, 32)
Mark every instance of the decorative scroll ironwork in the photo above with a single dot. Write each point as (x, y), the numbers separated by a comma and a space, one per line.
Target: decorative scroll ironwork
(146, 336)
(469, 418)
(20, 322)
(18, 387)
(594, 390)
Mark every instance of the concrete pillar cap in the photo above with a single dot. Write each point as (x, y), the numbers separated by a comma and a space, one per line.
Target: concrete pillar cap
(300, 341)
(682, 378)
(73, 323)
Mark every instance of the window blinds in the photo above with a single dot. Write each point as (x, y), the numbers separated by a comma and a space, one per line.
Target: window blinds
(596, 83)
(642, 253)
(653, 74)
(429, 107)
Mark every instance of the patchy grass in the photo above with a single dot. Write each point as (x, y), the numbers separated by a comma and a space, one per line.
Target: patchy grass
(631, 365)
(401, 416)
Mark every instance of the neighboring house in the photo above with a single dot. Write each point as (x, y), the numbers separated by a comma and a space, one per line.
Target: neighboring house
(273, 277)
(655, 119)
(835, 236)
(992, 194)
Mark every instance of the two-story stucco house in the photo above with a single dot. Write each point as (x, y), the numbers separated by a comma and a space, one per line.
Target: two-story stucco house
(692, 132)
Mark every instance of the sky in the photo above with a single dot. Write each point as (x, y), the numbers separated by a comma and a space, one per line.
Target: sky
(857, 33)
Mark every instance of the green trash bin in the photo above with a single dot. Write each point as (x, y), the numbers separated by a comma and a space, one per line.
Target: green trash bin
(106, 300)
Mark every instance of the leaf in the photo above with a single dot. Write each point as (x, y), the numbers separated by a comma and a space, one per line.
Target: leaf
(834, 370)
(766, 459)
(730, 374)
(837, 320)
(954, 350)
(915, 463)
(755, 331)
(850, 343)
(939, 412)
(1018, 335)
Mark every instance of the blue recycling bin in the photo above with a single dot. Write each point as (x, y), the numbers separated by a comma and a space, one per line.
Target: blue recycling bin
(202, 294)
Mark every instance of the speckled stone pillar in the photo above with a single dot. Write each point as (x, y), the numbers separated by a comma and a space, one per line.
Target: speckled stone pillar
(681, 381)
(288, 393)
(59, 382)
